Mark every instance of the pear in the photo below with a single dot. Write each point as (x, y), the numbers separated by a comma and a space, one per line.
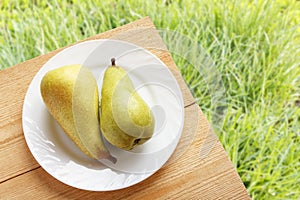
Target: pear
(125, 119)
(70, 94)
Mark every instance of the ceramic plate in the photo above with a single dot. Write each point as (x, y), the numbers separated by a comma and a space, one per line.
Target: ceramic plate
(60, 157)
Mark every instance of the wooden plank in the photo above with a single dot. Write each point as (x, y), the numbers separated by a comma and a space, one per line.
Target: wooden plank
(194, 174)
(199, 167)
(15, 159)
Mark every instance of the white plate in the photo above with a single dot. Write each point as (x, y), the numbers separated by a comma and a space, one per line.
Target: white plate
(60, 157)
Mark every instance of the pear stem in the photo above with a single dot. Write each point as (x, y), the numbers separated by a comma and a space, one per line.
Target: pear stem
(113, 62)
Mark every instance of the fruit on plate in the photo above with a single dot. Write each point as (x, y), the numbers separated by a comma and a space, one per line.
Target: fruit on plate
(125, 119)
(71, 96)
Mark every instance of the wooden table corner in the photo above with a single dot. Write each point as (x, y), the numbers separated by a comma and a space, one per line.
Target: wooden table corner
(198, 169)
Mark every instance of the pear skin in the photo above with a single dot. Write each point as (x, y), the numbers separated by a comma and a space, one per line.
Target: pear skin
(70, 94)
(126, 120)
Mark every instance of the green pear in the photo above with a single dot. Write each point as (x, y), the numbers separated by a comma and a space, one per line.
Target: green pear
(125, 118)
(70, 94)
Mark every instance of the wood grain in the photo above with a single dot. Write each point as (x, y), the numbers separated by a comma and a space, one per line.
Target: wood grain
(198, 169)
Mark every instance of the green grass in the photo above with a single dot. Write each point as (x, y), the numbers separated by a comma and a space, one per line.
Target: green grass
(255, 47)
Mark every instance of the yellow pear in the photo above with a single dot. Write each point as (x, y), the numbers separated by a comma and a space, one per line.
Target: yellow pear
(70, 94)
(125, 118)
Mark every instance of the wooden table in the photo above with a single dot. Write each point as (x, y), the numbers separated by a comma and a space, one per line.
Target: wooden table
(199, 168)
